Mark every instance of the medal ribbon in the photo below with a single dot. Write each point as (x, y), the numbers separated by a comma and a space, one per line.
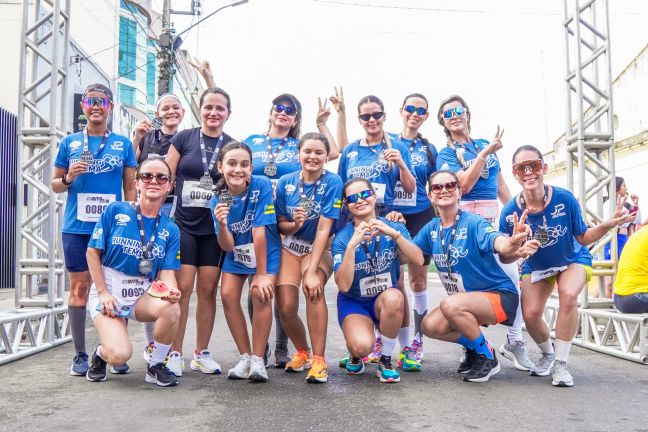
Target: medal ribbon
(207, 169)
(301, 186)
(280, 147)
(544, 202)
(452, 239)
(101, 146)
(373, 261)
(146, 248)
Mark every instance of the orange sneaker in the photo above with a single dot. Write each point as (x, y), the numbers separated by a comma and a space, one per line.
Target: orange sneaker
(318, 372)
(300, 362)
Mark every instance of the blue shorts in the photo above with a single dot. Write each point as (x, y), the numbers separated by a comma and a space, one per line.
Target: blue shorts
(74, 252)
(622, 239)
(362, 306)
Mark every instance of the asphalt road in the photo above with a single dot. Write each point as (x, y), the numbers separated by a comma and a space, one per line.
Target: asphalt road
(610, 394)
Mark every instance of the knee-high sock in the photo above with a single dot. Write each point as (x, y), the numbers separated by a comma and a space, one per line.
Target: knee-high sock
(420, 303)
(77, 317)
(281, 338)
(149, 328)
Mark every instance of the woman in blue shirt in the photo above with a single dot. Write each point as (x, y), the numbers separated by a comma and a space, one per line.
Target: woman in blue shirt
(562, 259)
(246, 227)
(367, 254)
(134, 246)
(463, 245)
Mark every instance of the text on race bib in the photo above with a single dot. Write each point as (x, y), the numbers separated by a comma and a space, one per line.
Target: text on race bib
(296, 245)
(195, 196)
(245, 255)
(128, 289)
(538, 275)
(371, 287)
(90, 206)
(402, 198)
(453, 283)
(380, 191)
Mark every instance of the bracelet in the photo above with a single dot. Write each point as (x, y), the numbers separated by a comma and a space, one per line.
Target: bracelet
(320, 124)
(64, 181)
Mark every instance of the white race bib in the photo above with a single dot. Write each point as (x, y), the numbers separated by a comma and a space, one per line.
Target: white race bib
(297, 246)
(453, 284)
(195, 196)
(538, 275)
(402, 198)
(244, 254)
(91, 205)
(128, 289)
(371, 287)
(380, 191)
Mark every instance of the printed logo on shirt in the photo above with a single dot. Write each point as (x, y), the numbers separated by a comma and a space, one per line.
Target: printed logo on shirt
(97, 233)
(75, 145)
(133, 247)
(290, 189)
(313, 214)
(419, 159)
(243, 225)
(321, 189)
(254, 197)
(164, 234)
(106, 164)
(269, 209)
(440, 259)
(258, 140)
(338, 204)
(337, 259)
(117, 145)
(462, 234)
(445, 166)
(554, 234)
(352, 155)
(384, 262)
(509, 220)
(433, 234)
(489, 229)
(491, 161)
(558, 211)
(372, 171)
(122, 219)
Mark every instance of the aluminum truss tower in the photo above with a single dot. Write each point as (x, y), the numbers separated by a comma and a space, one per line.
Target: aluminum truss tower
(41, 122)
(589, 140)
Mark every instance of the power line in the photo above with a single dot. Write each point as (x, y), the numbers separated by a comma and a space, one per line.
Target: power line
(397, 7)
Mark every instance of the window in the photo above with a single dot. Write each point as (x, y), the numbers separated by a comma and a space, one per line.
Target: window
(127, 48)
(150, 78)
(126, 95)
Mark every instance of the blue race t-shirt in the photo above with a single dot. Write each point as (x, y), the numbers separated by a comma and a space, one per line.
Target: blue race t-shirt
(423, 167)
(473, 265)
(563, 222)
(253, 209)
(326, 194)
(286, 159)
(369, 281)
(117, 236)
(362, 161)
(90, 193)
(451, 160)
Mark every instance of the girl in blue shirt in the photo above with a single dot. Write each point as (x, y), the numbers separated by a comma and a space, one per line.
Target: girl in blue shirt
(243, 209)
(308, 203)
(462, 245)
(367, 254)
(562, 259)
(132, 246)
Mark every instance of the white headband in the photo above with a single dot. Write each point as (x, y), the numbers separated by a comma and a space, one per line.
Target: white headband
(164, 97)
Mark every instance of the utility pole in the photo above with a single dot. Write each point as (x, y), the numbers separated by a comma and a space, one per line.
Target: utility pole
(166, 54)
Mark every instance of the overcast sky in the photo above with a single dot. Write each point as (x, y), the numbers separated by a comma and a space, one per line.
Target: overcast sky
(505, 57)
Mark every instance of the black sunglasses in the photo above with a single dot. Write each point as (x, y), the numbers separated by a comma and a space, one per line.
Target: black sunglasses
(290, 111)
(376, 115)
(418, 110)
(148, 178)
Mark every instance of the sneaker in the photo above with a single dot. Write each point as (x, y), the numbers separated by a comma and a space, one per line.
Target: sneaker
(386, 372)
(300, 362)
(79, 366)
(119, 370)
(242, 368)
(175, 363)
(517, 353)
(160, 375)
(467, 360)
(417, 350)
(407, 362)
(354, 366)
(266, 355)
(97, 369)
(258, 371)
(544, 365)
(377, 351)
(561, 376)
(343, 361)
(483, 368)
(205, 363)
(281, 356)
(318, 372)
(148, 350)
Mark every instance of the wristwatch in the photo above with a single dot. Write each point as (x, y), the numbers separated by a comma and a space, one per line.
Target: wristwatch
(64, 181)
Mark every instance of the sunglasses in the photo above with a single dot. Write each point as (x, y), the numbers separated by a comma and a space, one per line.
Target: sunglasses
(290, 111)
(418, 110)
(362, 195)
(148, 178)
(437, 188)
(376, 116)
(535, 166)
(89, 102)
(457, 111)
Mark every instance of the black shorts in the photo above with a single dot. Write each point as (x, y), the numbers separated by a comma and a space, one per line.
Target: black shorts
(415, 221)
(505, 305)
(200, 250)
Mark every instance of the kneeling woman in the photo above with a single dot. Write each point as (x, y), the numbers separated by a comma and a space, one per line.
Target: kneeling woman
(367, 255)
(131, 246)
(243, 209)
(462, 245)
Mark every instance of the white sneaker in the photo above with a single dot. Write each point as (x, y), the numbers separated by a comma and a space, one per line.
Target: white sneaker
(205, 363)
(258, 371)
(560, 375)
(242, 368)
(175, 363)
(148, 350)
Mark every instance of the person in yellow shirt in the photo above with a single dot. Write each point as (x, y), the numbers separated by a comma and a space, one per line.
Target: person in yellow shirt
(631, 285)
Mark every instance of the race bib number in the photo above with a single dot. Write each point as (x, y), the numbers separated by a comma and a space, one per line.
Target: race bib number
(538, 275)
(402, 198)
(90, 206)
(371, 287)
(195, 196)
(297, 246)
(380, 191)
(244, 254)
(128, 289)
(453, 283)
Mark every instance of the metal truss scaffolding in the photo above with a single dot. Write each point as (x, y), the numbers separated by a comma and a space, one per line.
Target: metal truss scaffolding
(41, 123)
(590, 171)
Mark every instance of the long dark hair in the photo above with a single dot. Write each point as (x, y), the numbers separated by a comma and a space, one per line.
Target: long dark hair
(232, 145)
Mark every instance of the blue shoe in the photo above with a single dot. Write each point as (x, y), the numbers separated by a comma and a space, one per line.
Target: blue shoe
(79, 366)
(119, 370)
(386, 372)
(407, 361)
(354, 366)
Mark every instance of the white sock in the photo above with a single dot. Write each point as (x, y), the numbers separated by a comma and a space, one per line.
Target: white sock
(388, 345)
(515, 331)
(546, 347)
(420, 307)
(159, 353)
(562, 350)
(403, 337)
(149, 328)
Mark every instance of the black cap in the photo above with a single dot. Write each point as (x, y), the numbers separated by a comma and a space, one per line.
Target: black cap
(287, 97)
(98, 87)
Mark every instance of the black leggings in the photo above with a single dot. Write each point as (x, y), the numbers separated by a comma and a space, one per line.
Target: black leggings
(633, 303)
